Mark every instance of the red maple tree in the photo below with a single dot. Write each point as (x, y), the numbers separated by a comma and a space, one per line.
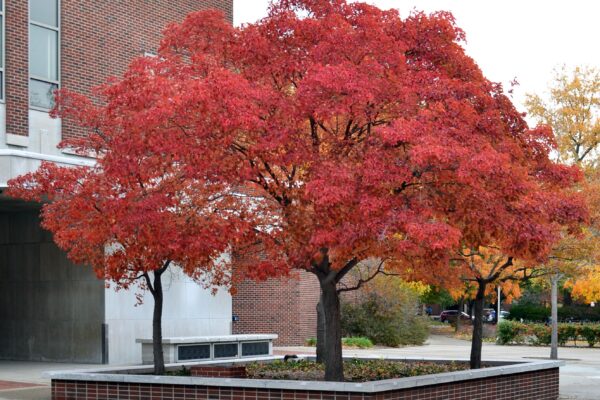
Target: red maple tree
(137, 213)
(349, 134)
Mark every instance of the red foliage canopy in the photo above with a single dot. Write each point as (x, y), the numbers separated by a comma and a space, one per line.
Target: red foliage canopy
(356, 133)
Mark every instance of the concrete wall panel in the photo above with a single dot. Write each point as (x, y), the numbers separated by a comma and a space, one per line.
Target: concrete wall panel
(50, 309)
(189, 310)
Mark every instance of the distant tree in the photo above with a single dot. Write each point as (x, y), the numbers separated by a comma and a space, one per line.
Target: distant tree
(486, 268)
(573, 112)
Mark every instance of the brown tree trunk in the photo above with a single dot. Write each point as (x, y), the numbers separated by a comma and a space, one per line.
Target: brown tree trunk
(321, 337)
(477, 340)
(157, 293)
(332, 356)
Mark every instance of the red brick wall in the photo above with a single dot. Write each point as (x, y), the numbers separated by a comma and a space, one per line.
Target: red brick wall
(286, 307)
(537, 385)
(16, 66)
(98, 39)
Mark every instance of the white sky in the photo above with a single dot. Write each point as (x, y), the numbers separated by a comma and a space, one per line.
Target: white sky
(525, 39)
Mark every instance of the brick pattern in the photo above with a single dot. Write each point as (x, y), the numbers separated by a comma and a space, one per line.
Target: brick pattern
(219, 372)
(17, 67)
(285, 306)
(537, 385)
(98, 40)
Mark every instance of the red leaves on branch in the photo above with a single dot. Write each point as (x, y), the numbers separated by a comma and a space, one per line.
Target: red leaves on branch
(339, 126)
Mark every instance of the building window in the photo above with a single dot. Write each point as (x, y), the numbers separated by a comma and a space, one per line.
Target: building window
(1, 49)
(226, 350)
(255, 349)
(193, 352)
(44, 44)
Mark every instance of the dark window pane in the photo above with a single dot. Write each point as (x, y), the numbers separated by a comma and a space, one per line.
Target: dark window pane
(44, 11)
(255, 349)
(226, 350)
(195, 352)
(41, 94)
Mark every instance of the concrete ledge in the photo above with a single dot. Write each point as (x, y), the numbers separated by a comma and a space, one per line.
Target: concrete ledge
(46, 157)
(210, 339)
(145, 370)
(516, 367)
(17, 140)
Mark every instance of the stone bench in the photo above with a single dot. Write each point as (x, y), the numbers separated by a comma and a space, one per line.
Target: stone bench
(204, 348)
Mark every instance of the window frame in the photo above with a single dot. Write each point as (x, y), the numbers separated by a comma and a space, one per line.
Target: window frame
(3, 65)
(31, 77)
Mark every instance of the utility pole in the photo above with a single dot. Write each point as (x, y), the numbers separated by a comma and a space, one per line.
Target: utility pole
(498, 312)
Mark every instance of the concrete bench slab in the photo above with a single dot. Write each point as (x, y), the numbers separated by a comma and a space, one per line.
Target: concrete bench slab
(198, 348)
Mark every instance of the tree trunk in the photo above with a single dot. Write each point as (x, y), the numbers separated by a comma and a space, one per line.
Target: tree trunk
(554, 315)
(332, 357)
(157, 293)
(321, 337)
(477, 340)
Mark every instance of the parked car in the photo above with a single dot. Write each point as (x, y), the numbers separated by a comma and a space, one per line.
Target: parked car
(450, 316)
(504, 314)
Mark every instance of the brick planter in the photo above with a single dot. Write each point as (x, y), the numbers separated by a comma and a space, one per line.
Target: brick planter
(517, 381)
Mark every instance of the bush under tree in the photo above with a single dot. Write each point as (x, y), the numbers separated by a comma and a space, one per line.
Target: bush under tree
(386, 313)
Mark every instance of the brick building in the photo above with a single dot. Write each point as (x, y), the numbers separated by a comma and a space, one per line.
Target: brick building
(283, 306)
(49, 308)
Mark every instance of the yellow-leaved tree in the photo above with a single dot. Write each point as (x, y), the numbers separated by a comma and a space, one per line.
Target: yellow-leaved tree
(572, 110)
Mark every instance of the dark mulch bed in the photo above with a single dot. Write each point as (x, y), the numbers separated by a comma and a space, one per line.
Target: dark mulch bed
(354, 370)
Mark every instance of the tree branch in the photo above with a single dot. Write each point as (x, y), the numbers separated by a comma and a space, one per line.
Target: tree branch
(345, 269)
(379, 271)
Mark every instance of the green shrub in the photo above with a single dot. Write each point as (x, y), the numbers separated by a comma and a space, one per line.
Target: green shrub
(536, 313)
(590, 333)
(511, 332)
(360, 342)
(540, 334)
(529, 312)
(579, 313)
(566, 332)
(386, 314)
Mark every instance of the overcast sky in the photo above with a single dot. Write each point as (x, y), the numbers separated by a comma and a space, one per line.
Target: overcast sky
(525, 39)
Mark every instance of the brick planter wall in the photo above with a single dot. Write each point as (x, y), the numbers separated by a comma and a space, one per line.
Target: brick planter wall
(533, 385)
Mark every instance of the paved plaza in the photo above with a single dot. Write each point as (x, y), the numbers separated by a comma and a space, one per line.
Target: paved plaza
(579, 379)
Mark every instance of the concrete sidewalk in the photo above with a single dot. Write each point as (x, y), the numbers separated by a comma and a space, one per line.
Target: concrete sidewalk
(31, 373)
